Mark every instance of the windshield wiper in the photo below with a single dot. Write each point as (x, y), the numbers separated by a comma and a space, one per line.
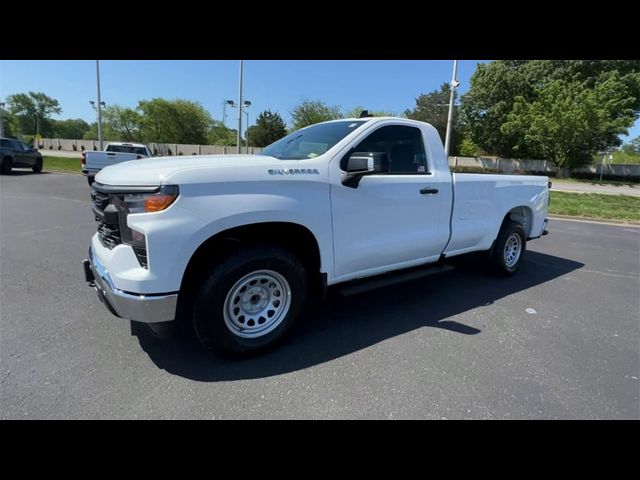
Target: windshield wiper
(293, 139)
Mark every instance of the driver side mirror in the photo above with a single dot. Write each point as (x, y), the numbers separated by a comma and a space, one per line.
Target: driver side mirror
(360, 164)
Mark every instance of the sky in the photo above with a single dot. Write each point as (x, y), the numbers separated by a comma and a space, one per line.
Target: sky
(277, 85)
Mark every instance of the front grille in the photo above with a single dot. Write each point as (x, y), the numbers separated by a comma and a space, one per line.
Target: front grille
(100, 200)
(108, 235)
(106, 217)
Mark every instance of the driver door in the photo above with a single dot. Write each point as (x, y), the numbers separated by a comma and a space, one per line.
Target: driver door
(393, 219)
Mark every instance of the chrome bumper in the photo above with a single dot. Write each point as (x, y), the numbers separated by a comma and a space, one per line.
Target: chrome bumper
(146, 308)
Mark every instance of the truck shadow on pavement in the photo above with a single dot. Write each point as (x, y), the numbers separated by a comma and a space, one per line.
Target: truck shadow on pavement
(346, 325)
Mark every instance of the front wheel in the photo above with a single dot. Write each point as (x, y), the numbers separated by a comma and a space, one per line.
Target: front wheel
(509, 248)
(250, 300)
(37, 168)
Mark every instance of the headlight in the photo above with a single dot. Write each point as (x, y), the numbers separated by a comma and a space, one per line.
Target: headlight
(148, 202)
(131, 203)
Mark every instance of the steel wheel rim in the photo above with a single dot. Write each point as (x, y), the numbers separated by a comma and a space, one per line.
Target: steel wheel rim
(257, 304)
(512, 250)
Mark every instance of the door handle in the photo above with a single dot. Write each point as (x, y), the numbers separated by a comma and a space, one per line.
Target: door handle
(428, 191)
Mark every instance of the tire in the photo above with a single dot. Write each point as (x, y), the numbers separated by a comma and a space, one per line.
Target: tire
(90, 180)
(37, 168)
(509, 249)
(7, 166)
(249, 300)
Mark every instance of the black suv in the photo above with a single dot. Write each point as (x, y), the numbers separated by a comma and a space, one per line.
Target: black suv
(14, 153)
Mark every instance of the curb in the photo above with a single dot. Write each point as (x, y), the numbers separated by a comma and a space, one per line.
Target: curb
(601, 221)
(61, 171)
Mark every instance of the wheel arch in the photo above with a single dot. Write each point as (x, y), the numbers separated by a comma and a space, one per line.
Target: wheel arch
(294, 237)
(523, 215)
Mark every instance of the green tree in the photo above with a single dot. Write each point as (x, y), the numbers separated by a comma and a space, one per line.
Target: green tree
(495, 87)
(174, 121)
(469, 149)
(355, 113)
(125, 123)
(632, 147)
(35, 107)
(220, 134)
(309, 112)
(432, 108)
(568, 122)
(9, 124)
(108, 135)
(71, 128)
(269, 127)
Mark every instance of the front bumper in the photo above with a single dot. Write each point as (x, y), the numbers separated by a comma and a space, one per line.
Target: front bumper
(146, 308)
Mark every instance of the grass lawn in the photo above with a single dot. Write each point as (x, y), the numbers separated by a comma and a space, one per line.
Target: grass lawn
(595, 205)
(62, 164)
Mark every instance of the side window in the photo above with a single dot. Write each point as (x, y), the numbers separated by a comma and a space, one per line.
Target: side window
(16, 145)
(402, 144)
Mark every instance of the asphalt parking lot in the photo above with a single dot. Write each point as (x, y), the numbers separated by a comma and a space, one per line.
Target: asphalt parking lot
(559, 340)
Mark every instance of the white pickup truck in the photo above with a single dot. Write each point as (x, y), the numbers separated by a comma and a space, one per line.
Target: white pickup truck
(116, 152)
(238, 244)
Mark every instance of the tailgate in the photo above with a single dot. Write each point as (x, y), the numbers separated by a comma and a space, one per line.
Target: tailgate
(99, 160)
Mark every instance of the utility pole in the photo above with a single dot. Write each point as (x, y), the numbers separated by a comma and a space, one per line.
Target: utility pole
(99, 106)
(454, 85)
(247, 114)
(1, 119)
(240, 110)
(224, 112)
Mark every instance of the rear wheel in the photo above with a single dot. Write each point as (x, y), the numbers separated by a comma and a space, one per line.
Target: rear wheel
(37, 168)
(250, 300)
(509, 248)
(90, 180)
(7, 166)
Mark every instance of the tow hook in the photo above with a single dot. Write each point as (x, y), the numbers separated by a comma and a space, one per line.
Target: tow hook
(88, 274)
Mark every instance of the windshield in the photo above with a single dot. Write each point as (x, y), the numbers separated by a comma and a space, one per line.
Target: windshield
(311, 141)
(127, 149)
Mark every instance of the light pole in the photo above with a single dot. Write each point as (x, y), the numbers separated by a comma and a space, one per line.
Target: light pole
(245, 104)
(454, 84)
(98, 108)
(100, 104)
(246, 112)
(240, 109)
(1, 119)
(224, 110)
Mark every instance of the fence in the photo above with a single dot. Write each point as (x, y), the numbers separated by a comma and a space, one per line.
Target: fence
(158, 148)
(545, 167)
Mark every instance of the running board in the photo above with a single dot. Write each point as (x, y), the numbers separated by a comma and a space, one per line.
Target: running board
(359, 286)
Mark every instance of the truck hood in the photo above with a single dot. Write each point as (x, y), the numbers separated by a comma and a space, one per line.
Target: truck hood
(158, 171)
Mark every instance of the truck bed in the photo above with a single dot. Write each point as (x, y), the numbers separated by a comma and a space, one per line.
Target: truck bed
(481, 201)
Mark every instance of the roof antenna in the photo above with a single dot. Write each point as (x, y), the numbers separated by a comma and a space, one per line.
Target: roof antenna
(365, 114)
